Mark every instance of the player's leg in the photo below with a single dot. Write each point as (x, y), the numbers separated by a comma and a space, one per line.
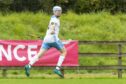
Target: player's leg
(61, 58)
(28, 66)
(41, 52)
(63, 52)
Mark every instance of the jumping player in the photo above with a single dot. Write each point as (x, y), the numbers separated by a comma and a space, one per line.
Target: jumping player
(51, 40)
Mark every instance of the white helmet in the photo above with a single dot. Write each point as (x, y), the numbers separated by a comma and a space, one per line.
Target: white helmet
(55, 8)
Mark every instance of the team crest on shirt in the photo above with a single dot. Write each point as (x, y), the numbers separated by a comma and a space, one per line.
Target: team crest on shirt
(52, 23)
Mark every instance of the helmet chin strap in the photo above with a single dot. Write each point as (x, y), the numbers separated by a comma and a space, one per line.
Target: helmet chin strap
(57, 16)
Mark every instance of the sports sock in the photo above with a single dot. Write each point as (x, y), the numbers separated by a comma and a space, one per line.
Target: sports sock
(60, 61)
(32, 61)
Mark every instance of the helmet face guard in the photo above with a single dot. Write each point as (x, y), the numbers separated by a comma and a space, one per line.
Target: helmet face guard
(57, 8)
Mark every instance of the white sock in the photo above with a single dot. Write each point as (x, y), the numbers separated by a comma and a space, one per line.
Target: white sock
(60, 61)
(32, 61)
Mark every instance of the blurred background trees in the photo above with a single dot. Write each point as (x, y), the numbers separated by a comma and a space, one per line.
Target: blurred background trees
(78, 6)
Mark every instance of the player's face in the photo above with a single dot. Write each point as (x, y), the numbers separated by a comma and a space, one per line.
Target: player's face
(58, 13)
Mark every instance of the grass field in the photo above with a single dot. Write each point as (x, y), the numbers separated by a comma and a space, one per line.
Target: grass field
(62, 81)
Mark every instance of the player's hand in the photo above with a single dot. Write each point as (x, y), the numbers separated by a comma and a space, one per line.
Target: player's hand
(52, 32)
(70, 40)
(67, 42)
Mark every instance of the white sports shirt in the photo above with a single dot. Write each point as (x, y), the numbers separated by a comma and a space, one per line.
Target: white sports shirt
(49, 38)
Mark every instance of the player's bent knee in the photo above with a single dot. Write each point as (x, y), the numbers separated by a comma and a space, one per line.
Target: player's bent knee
(63, 52)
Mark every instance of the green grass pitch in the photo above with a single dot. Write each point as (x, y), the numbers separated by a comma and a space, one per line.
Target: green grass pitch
(63, 81)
